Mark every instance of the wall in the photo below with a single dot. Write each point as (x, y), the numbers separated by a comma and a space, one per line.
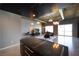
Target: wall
(37, 26)
(55, 28)
(12, 27)
(27, 25)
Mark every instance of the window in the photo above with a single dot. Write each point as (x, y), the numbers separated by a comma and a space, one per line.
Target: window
(49, 28)
(65, 30)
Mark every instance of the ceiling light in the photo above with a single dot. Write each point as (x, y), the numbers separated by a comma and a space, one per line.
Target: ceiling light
(33, 15)
(56, 23)
(38, 22)
(61, 13)
(50, 20)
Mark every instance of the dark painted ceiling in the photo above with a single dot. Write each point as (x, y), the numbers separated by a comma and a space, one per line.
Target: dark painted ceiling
(25, 9)
(42, 9)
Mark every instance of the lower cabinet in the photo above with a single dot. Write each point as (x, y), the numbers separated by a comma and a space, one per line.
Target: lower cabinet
(26, 51)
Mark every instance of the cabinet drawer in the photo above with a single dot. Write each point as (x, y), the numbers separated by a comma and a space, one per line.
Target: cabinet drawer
(29, 51)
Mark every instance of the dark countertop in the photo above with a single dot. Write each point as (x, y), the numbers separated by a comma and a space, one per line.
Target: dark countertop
(43, 47)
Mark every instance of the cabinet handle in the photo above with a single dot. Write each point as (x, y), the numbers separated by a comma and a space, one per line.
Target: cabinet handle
(62, 51)
(27, 53)
(29, 49)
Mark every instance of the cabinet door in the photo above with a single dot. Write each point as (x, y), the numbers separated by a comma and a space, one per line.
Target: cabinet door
(26, 51)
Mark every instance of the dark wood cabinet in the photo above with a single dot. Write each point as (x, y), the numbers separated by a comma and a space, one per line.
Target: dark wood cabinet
(26, 51)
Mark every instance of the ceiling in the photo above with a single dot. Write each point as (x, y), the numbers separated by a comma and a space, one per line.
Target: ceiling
(69, 11)
(25, 9)
(43, 11)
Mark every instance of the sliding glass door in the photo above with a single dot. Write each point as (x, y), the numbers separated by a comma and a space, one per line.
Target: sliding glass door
(65, 30)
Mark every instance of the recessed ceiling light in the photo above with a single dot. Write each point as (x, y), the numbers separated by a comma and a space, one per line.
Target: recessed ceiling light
(33, 15)
(38, 22)
(50, 20)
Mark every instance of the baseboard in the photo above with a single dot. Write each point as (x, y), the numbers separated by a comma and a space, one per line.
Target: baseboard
(9, 46)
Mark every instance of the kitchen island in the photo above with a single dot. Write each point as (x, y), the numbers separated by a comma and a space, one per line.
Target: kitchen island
(32, 46)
